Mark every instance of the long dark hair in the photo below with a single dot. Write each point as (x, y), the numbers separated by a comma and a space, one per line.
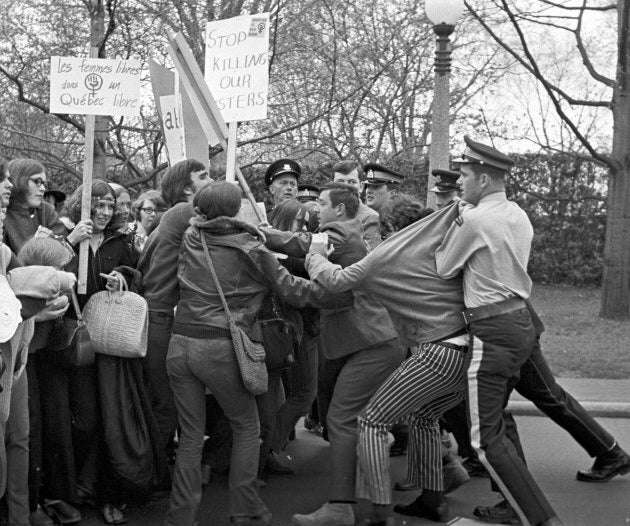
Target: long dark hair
(177, 179)
(286, 212)
(72, 206)
(21, 170)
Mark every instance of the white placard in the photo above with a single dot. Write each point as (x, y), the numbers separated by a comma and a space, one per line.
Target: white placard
(95, 86)
(173, 125)
(237, 66)
(247, 214)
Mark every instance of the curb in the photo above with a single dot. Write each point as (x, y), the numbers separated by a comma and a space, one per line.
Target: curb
(596, 409)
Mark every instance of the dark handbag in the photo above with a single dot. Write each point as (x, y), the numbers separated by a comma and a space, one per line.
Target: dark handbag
(249, 355)
(71, 338)
(278, 338)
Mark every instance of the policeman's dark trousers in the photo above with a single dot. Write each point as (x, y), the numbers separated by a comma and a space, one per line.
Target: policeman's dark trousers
(538, 385)
(422, 388)
(500, 347)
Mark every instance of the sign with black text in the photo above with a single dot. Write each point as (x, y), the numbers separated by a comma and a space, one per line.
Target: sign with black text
(236, 68)
(95, 86)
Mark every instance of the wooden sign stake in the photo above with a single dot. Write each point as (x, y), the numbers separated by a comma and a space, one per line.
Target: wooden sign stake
(86, 195)
(204, 104)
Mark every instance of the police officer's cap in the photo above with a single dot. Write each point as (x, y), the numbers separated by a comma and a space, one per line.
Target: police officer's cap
(282, 167)
(445, 181)
(307, 192)
(478, 153)
(377, 174)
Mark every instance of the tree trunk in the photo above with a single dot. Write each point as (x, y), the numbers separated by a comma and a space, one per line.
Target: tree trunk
(616, 276)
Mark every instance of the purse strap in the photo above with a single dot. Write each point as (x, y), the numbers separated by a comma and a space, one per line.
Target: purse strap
(215, 277)
(77, 309)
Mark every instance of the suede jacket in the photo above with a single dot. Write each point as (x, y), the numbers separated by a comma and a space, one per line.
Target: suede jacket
(247, 272)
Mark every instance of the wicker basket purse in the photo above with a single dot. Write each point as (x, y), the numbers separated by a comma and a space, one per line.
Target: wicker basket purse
(118, 322)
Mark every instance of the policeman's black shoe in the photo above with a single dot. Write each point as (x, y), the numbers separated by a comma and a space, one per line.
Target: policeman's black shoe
(475, 468)
(500, 513)
(418, 508)
(615, 462)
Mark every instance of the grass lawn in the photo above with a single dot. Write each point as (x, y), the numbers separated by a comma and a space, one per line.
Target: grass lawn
(577, 343)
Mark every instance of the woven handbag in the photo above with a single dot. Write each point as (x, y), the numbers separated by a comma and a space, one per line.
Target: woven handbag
(249, 355)
(118, 322)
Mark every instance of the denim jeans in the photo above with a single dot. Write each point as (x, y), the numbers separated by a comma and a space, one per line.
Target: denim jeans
(194, 365)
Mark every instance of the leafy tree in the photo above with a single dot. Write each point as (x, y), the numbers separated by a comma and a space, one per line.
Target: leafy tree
(519, 27)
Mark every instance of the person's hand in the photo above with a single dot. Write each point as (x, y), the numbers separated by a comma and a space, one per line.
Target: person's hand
(53, 310)
(113, 280)
(81, 232)
(319, 245)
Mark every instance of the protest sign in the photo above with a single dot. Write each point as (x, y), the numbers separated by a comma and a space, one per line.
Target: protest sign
(94, 86)
(173, 125)
(163, 83)
(236, 67)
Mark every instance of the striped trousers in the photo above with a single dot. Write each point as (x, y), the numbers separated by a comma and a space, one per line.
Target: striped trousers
(421, 389)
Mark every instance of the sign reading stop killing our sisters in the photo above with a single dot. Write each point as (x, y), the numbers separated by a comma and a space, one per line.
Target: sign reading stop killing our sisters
(94, 86)
(236, 69)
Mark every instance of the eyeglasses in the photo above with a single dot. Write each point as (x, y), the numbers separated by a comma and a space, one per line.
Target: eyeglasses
(38, 181)
(149, 210)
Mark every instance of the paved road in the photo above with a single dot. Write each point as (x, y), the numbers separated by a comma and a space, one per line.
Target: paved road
(552, 456)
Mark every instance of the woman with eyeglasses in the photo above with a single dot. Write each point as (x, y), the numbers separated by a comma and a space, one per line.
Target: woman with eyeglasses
(27, 210)
(146, 209)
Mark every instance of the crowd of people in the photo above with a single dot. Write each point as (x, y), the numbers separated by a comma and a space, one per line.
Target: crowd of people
(405, 328)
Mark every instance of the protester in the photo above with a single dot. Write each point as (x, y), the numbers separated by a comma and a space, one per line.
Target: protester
(201, 355)
(27, 209)
(158, 264)
(38, 288)
(55, 197)
(75, 468)
(25, 504)
(490, 245)
(300, 377)
(122, 213)
(423, 386)
(349, 172)
(145, 210)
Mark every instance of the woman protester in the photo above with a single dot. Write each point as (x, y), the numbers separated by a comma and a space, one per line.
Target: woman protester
(145, 210)
(299, 378)
(76, 467)
(27, 212)
(201, 355)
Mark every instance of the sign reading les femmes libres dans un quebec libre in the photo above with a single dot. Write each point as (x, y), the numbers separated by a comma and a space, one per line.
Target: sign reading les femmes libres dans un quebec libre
(94, 86)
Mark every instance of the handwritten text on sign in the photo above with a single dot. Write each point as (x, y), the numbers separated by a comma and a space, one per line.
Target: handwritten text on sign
(173, 126)
(237, 66)
(94, 86)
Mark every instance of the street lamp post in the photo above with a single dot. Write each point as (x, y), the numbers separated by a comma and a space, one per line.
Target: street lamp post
(443, 14)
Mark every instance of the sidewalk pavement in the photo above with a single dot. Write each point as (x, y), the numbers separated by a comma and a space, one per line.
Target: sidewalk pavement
(601, 398)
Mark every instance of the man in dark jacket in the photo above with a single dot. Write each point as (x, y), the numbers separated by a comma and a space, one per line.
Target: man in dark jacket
(361, 340)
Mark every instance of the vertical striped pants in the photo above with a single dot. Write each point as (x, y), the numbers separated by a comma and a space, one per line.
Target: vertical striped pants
(422, 388)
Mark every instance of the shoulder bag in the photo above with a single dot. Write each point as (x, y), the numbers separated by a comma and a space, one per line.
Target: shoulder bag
(278, 338)
(118, 322)
(249, 355)
(71, 338)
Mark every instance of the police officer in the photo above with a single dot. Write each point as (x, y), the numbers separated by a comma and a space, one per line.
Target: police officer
(446, 189)
(380, 182)
(281, 179)
(490, 244)
(307, 193)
